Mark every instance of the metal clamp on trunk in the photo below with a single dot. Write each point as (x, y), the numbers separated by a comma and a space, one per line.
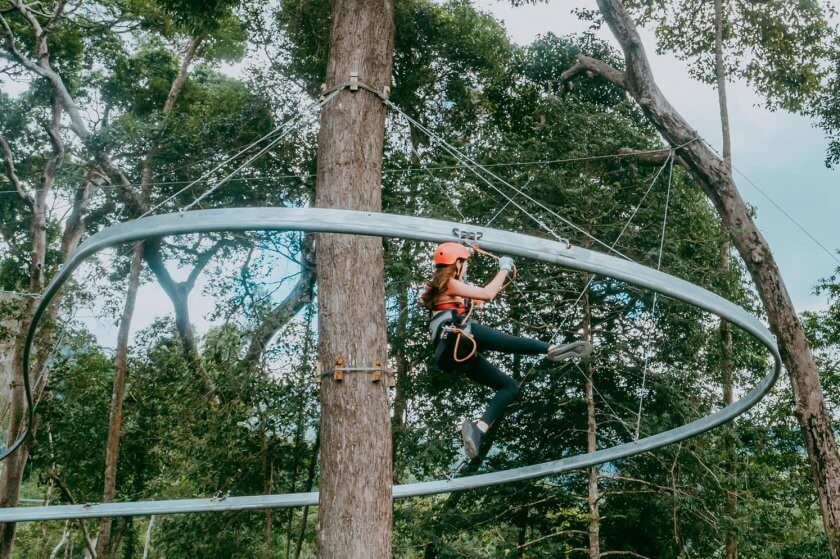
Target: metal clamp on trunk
(337, 373)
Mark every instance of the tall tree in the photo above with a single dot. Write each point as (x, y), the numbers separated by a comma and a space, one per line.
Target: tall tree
(355, 511)
(34, 192)
(104, 545)
(712, 175)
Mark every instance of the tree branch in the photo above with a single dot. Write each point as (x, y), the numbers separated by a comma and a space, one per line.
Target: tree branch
(154, 258)
(66, 490)
(9, 165)
(183, 73)
(653, 157)
(54, 132)
(13, 50)
(300, 296)
(201, 262)
(553, 534)
(629, 553)
(75, 225)
(54, 17)
(591, 65)
(44, 69)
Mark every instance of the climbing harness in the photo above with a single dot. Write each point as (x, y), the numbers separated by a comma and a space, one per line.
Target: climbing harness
(447, 322)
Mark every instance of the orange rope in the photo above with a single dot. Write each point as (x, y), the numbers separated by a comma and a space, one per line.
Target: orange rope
(466, 318)
(458, 343)
(512, 275)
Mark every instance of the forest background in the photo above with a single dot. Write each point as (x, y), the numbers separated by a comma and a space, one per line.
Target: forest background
(220, 399)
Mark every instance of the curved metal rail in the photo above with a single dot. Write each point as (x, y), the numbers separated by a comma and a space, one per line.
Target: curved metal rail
(420, 229)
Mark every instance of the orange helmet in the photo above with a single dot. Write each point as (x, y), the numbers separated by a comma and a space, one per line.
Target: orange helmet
(449, 253)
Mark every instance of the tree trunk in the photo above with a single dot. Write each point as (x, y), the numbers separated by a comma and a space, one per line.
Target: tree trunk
(727, 380)
(14, 465)
(268, 483)
(594, 495)
(711, 174)
(147, 545)
(355, 511)
(720, 72)
(65, 537)
(310, 482)
(402, 372)
(178, 292)
(10, 323)
(725, 328)
(104, 549)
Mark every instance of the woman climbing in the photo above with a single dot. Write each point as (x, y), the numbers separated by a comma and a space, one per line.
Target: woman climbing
(461, 343)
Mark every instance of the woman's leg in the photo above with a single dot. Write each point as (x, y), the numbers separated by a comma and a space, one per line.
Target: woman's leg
(483, 372)
(490, 339)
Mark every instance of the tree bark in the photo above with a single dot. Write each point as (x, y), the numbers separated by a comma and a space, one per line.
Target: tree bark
(712, 175)
(725, 328)
(104, 548)
(147, 544)
(728, 385)
(720, 73)
(310, 482)
(355, 510)
(401, 375)
(14, 465)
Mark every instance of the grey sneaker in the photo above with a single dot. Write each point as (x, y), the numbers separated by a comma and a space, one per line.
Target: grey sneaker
(574, 350)
(471, 435)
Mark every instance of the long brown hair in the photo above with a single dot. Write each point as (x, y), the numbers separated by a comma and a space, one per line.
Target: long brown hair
(438, 283)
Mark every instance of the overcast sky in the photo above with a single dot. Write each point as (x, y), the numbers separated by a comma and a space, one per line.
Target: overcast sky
(782, 153)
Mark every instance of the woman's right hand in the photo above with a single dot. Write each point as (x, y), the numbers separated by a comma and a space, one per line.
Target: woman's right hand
(506, 263)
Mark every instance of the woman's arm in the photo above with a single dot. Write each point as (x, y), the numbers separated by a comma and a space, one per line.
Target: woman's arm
(486, 293)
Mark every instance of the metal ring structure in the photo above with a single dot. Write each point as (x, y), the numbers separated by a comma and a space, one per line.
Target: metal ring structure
(319, 220)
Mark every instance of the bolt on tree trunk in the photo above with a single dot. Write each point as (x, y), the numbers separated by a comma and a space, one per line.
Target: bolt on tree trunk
(355, 511)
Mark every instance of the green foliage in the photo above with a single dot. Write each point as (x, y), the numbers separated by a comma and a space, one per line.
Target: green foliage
(457, 73)
(826, 108)
(777, 46)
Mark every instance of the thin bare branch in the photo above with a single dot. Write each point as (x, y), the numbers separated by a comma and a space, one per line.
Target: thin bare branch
(201, 262)
(8, 163)
(44, 69)
(66, 490)
(553, 535)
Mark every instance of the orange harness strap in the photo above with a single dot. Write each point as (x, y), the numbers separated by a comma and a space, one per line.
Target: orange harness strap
(454, 305)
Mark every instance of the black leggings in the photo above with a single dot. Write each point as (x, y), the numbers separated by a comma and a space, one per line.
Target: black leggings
(479, 369)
